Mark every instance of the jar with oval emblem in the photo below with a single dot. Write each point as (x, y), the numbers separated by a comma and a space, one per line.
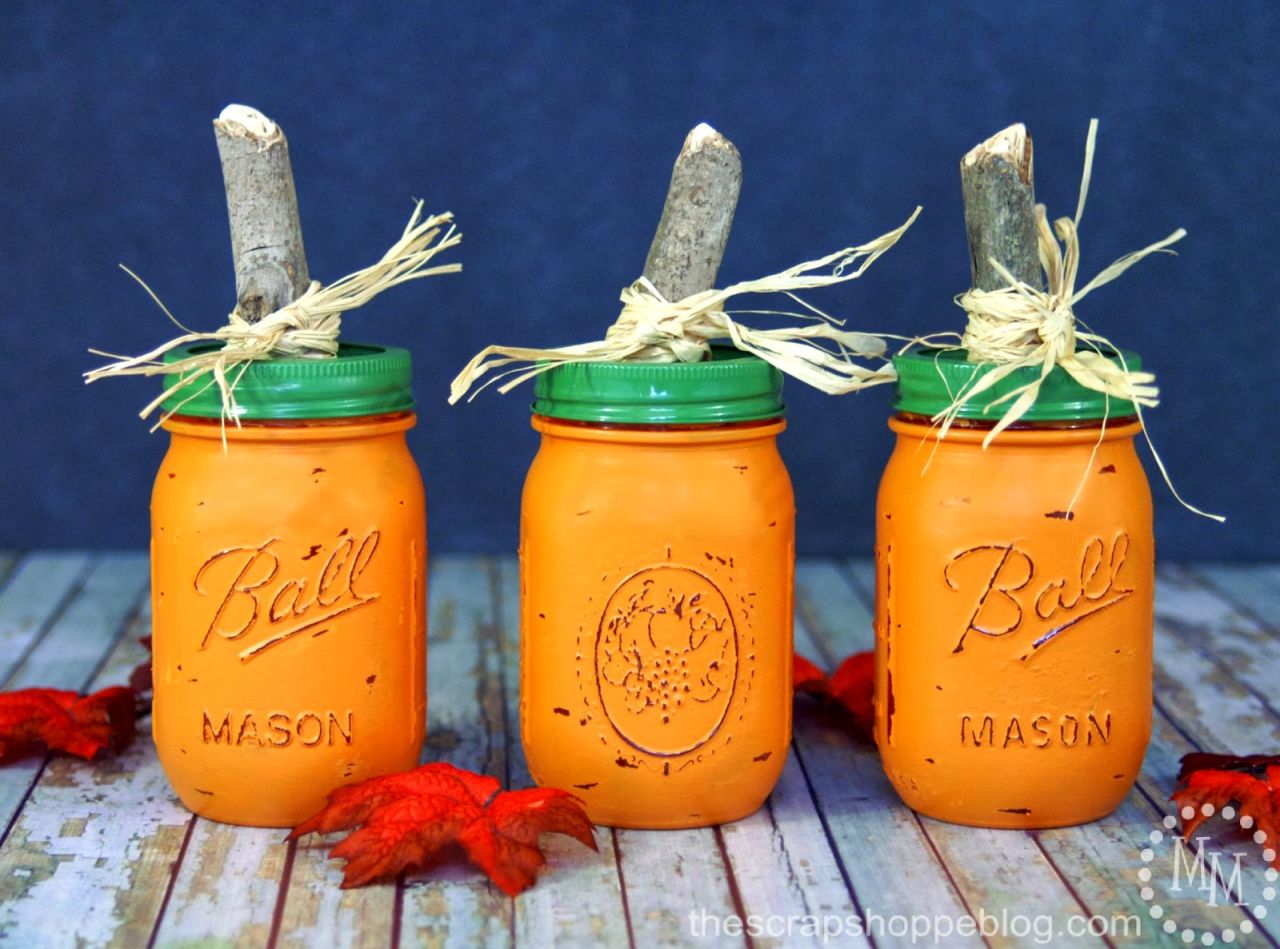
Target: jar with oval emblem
(288, 559)
(1013, 600)
(657, 561)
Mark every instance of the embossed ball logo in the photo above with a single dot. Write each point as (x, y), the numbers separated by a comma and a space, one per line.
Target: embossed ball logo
(666, 660)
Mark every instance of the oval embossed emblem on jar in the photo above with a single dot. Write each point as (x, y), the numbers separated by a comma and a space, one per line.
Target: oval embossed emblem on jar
(666, 659)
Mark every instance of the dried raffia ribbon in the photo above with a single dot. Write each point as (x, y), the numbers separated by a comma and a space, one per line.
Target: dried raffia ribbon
(306, 328)
(652, 329)
(1021, 326)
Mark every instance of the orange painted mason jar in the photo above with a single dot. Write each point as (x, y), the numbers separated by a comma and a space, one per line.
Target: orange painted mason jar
(1013, 627)
(657, 552)
(288, 587)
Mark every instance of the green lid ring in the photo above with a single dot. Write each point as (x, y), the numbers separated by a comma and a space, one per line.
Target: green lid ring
(361, 380)
(929, 379)
(732, 386)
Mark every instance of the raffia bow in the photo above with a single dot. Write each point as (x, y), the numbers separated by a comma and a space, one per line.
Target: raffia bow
(1021, 326)
(653, 329)
(306, 328)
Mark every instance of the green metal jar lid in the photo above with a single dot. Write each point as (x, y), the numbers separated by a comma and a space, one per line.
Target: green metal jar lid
(928, 380)
(360, 380)
(731, 387)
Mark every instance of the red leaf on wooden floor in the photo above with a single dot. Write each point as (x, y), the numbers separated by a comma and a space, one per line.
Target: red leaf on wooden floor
(1204, 761)
(809, 678)
(851, 688)
(60, 720)
(408, 820)
(1250, 782)
(140, 681)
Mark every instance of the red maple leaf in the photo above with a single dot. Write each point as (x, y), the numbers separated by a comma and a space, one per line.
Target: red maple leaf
(1250, 782)
(851, 688)
(411, 819)
(65, 721)
(808, 678)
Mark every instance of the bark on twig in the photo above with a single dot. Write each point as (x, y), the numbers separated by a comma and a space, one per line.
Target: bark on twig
(1000, 209)
(689, 244)
(266, 234)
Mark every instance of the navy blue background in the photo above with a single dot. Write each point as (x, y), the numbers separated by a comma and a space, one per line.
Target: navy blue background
(550, 130)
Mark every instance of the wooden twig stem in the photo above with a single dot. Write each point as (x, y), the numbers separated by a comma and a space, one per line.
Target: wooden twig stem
(1000, 209)
(266, 234)
(689, 243)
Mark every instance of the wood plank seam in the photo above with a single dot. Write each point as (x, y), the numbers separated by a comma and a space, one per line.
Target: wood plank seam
(8, 566)
(735, 892)
(130, 619)
(1160, 806)
(867, 598)
(815, 630)
(1183, 725)
(397, 911)
(76, 588)
(821, 814)
(622, 883)
(510, 731)
(1085, 908)
(173, 879)
(947, 893)
(286, 874)
(1158, 802)
(867, 595)
(59, 610)
(504, 581)
(946, 869)
(1228, 596)
(74, 821)
(1198, 646)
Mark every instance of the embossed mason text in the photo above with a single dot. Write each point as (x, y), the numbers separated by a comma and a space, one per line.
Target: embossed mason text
(1035, 731)
(276, 729)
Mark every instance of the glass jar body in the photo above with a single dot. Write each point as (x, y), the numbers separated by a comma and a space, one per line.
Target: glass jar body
(657, 568)
(288, 596)
(1013, 628)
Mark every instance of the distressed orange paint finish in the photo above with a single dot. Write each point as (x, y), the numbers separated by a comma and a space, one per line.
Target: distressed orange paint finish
(657, 568)
(1013, 636)
(288, 597)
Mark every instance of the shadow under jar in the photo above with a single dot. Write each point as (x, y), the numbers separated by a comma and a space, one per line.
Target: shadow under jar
(657, 553)
(288, 587)
(1013, 627)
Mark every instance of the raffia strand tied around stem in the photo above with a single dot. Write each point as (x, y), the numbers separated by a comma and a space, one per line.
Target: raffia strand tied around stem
(1021, 326)
(306, 328)
(653, 329)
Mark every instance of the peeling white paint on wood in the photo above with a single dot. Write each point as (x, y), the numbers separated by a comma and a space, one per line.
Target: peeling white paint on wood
(95, 846)
(884, 847)
(455, 904)
(1100, 860)
(677, 887)
(95, 612)
(995, 871)
(89, 858)
(578, 901)
(226, 887)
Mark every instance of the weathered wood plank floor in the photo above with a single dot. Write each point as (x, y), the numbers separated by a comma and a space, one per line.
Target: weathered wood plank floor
(102, 854)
